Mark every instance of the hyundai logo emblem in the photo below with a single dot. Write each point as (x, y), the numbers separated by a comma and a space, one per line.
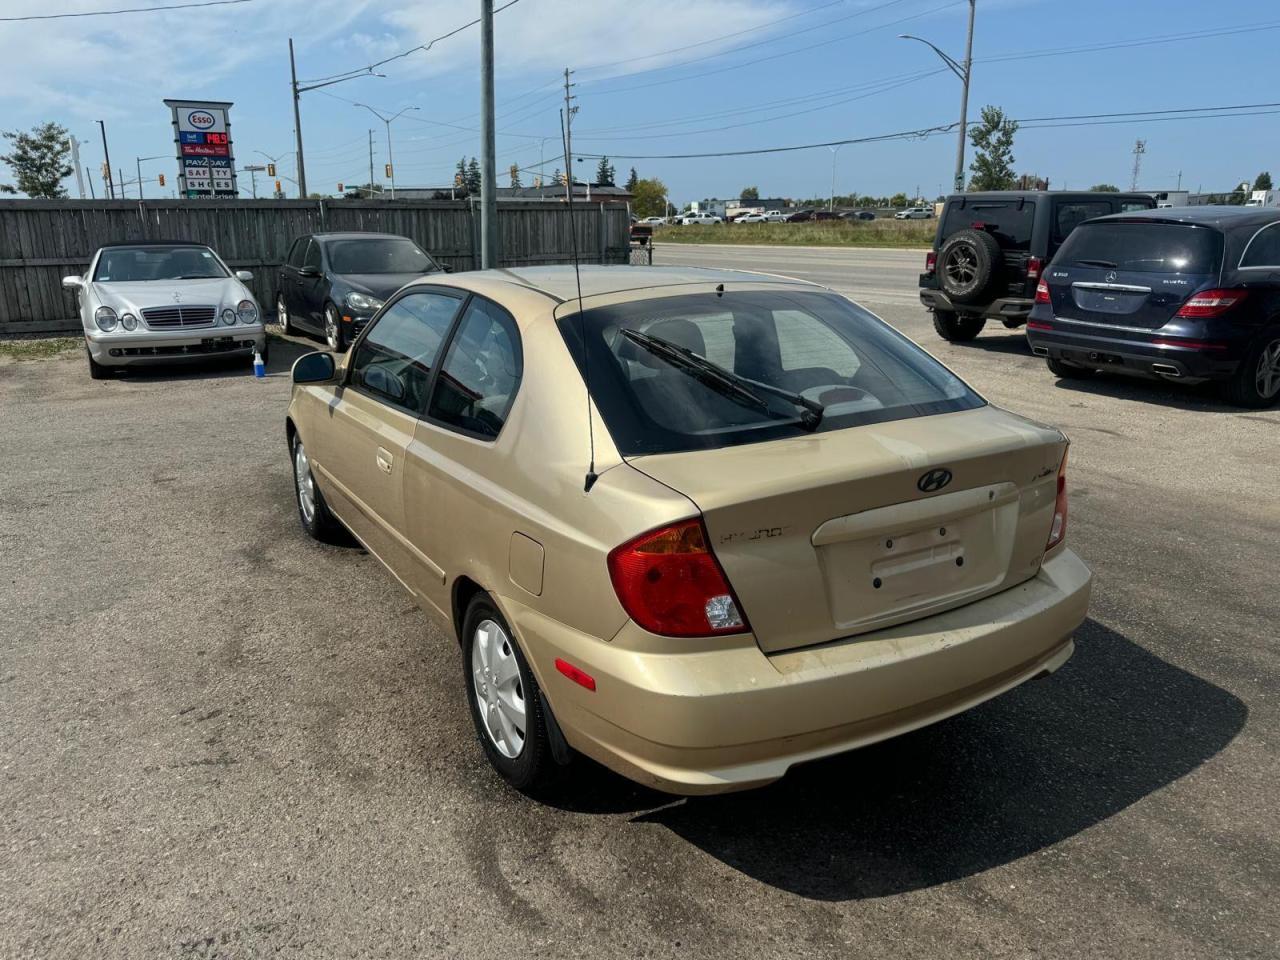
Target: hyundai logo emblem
(934, 480)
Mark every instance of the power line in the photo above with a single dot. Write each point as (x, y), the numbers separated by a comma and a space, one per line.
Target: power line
(1134, 42)
(420, 48)
(116, 13)
(1135, 116)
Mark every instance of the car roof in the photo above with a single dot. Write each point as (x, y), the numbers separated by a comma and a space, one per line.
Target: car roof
(355, 235)
(153, 243)
(1046, 194)
(561, 284)
(1221, 217)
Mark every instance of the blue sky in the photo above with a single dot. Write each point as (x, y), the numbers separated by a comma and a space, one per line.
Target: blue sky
(794, 71)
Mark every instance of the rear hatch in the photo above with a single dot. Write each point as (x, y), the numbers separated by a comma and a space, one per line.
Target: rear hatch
(838, 533)
(1134, 273)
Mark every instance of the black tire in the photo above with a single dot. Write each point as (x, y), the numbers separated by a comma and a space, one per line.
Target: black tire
(337, 340)
(96, 370)
(321, 524)
(968, 262)
(532, 769)
(1068, 371)
(282, 316)
(1256, 382)
(955, 328)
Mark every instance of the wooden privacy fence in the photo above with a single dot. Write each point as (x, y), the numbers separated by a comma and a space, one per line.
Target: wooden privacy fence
(41, 241)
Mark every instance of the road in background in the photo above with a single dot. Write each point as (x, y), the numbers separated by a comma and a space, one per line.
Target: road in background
(220, 739)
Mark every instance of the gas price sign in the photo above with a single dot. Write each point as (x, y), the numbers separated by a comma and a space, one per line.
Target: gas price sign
(202, 135)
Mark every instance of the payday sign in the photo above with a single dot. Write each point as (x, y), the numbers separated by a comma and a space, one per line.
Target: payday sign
(202, 136)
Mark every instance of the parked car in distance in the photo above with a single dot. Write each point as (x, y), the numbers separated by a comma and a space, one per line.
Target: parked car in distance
(990, 248)
(1187, 294)
(332, 283)
(791, 532)
(914, 213)
(653, 221)
(857, 215)
(825, 215)
(800, 216)
(752, 218)
(705, 219)
(145, 303)
(776, 216)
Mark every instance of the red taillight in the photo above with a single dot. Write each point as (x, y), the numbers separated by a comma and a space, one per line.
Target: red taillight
(930, 262)
(1042, 292)
(1058, 529)
(1034, 267)
(1189, 344)
(1210, 303)
(669, 583)
(1039, 325)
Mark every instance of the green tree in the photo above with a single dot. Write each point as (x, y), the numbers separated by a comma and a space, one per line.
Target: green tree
(1239, 195)
(992, 140)
(649, 198)
(604, 173)
(898, 200)
(557, 176)
(39, 161)
(515, 177)
(1104, 188)
(749, 193)
(632, 181)
(1263, 182)
(473, 176)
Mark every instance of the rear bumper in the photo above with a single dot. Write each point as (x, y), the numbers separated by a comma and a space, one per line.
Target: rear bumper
(1013, 309)
(1100, 349)
(726, 719)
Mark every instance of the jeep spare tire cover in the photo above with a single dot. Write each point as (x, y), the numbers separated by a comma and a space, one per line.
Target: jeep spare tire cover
(968, 261)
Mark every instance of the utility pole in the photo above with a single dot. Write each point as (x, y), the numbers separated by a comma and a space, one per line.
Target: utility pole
(965, 73)
(1139, 148)
(75, 162)
(138, 162)
(488, 173)
(92, 195)
(297, 123)
(120, 177)
(106, 157)
(831, 203)
(566, 116)
(387, 121)
(370, 162)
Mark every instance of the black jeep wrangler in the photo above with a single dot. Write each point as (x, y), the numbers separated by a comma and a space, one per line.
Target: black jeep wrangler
(990, 249)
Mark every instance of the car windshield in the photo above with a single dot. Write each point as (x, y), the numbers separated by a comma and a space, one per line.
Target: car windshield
(1143, 247)
(378, 255)
(133, 264)
(790, 354)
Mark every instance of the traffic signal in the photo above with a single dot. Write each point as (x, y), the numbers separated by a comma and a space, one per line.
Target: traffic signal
(278, 190)
(161, 178)
(457, 177)
(271, 171)
(340, 188)
(389, 170)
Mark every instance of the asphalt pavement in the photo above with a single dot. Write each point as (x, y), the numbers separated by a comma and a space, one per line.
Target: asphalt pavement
(219, 739)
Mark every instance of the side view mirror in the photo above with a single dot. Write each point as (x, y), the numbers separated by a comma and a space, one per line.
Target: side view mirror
(447, 267)
(384, 382)
(72, 283)
(315, 367)
(309, 272)
(244, 276)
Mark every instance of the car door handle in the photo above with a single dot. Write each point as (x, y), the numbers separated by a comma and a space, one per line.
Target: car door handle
(385, 461)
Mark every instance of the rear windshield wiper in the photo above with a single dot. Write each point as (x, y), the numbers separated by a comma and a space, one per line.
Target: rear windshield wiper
(1097, 263)
(728, 384)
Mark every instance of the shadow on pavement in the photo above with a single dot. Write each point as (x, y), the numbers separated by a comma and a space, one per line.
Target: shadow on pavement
(1200, 397)
(1014, 776)
(281, 354)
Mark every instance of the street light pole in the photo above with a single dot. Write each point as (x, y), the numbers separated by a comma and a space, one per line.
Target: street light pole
(390, 160)
(965, 73)
(488, 173)
(831, 203)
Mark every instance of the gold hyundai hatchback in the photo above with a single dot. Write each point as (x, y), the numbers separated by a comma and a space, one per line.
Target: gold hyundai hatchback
(697, 525)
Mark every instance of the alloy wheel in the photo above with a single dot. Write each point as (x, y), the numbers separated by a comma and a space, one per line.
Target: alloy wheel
(499, 692)
(282, 315)
(1268, 378)
(305, 482)
(331, 328)
(961, 266)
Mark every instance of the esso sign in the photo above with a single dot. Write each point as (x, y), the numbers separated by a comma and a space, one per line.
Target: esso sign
(201, 119)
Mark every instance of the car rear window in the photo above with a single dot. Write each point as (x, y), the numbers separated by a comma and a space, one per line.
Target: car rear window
(814, 344)
(1009, 221)
(1143, 247)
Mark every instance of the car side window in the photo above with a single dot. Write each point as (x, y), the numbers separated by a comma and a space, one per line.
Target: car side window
(312, 258)
(394, 360)
(298, 251)
(1264, 249)
(481, 372)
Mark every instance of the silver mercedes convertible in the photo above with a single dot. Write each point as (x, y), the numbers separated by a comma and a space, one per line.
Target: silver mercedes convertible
(157, 303)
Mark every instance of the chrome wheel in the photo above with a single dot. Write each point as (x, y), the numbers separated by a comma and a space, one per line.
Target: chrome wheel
(499, 692)
(331, 328)
(1268, 379)
(305, 482)
(961, 266)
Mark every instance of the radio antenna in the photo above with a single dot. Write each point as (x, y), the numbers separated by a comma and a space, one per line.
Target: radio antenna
(566, 123)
